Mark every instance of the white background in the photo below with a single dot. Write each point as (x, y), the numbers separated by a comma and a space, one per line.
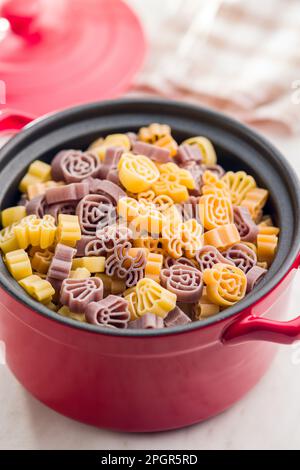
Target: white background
(267, 418)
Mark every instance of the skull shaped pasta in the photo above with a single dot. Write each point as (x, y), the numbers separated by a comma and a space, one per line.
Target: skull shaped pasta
(95, 211)
(185, 281)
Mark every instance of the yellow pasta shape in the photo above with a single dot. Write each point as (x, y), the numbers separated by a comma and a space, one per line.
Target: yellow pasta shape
(154, 266)
(94, 264)
(8, 239)
(213, 185)
(222, 237)
(18, 264)
(215, 211)
(225, 284)
(266, 221)
(100, 145)
(12, 215)
(37, 189)
(174, 182)
(52, 306)
(112, 285)
(153, 245)
(41, 261)
(239, 184)
(153, 132)
(266, 247)
(153, 298)
(182, 237)
(146, 196)
(206, 148)
(142, 217)
(268, 229)
(65, 312)
(137, 173)
(80, 273)
(205, 308)
(68, 230)
(255, 200)
(167, 142)
(38, 288)
(37, 232)
(38, 172)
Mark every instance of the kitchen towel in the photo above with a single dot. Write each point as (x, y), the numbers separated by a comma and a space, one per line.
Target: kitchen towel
(241, 57)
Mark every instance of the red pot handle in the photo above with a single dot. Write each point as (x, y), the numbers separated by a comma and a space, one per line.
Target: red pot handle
(262, 329)
(251, 327)
(11, 120)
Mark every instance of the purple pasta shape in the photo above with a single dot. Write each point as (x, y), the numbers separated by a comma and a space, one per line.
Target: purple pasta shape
(108, 238)
(176, 317)
(107, 188)
(247, 229)
(124, 266)
(112, 311)
(188, 153)
(23, 201)
(208, 256)
(242, 256)
(154, 152)
(254, 276)
(56, 169)
(73, 166)
(60, 266)
(62, 208)
(77, 294)
(149, 321)
(95, 211)
(37, 206)
(69, 192)
(196, 172)
(169, 261)
(109, 167)
(184, 281)
(61, 263)
(82, 243)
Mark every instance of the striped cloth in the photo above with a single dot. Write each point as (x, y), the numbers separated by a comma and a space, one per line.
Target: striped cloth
(238, 56)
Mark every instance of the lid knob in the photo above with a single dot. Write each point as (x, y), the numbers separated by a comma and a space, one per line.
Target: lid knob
(21, 15)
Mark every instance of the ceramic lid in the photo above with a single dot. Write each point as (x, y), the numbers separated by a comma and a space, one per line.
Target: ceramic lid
(58, 53)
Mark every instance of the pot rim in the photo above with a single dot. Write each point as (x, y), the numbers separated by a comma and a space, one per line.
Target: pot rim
(230, 312)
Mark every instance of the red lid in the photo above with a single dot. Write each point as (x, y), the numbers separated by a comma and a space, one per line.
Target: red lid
(57, 53)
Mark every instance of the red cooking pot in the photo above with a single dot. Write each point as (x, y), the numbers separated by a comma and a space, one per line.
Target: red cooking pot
(150, 380)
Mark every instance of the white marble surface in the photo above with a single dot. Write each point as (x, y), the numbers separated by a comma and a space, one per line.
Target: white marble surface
(267, 418)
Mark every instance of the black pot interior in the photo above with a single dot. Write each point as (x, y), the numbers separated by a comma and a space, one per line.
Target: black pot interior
(238, 148)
